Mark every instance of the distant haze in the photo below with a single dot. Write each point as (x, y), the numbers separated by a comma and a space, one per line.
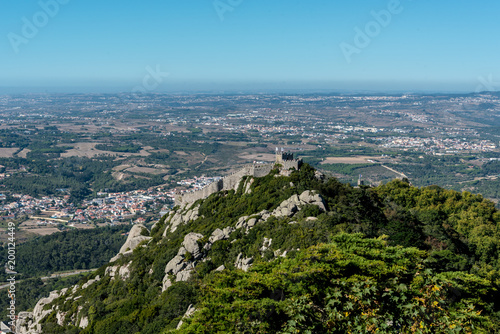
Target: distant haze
(243, 45)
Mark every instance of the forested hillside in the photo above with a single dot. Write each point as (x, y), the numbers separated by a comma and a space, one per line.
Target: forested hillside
(68, 250)
(302, 254)
(65, 251)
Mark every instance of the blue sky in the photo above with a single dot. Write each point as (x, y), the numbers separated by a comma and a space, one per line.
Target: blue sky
(260, 44)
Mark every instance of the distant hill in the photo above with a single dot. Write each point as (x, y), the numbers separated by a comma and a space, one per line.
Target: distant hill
(296, 254)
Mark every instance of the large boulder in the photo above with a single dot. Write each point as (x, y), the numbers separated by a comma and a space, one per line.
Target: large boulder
(191, 245)
(135, 237)
(180, 266)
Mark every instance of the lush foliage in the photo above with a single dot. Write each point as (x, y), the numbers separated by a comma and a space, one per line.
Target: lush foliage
(68, 250)
(393, 258)
(352, 285)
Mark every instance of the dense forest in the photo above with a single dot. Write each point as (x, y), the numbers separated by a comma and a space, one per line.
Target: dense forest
(389, 259)
(64, 251)
(69, 250)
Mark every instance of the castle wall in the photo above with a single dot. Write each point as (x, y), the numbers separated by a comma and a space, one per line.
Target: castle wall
(232, 181)
(262, 170)
(199, 194)
(287, 164)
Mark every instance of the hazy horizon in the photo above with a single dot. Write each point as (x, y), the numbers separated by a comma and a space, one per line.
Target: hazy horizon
(238, 45)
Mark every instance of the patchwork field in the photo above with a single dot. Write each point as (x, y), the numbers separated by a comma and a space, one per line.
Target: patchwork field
(8, 152)
(88, 150)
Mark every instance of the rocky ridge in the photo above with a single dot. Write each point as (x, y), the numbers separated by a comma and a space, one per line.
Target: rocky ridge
(193, 251)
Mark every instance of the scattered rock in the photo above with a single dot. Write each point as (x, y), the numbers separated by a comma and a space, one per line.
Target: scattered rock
(190, 311)
(266, 244)
(84, 322)
(180, 217)
(243, 263)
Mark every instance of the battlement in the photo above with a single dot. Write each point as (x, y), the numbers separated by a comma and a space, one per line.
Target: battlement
(285, 159)
(226, 183)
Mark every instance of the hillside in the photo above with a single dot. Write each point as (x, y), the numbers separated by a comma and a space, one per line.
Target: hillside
(296, 254)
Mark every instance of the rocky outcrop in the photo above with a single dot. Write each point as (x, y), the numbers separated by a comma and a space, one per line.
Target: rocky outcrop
(248, 222)
(218, 235)
(91, 281)
(243, 263)
(25, 323)
(266, 245)
(29, 322)
(123, 272)
(84, 322)
(289, 207)
(191, 245)
(181, 217)
(311, 197)
(248, 185)
(319, 176)
(182, 264)
(135, 237)
(190, 311)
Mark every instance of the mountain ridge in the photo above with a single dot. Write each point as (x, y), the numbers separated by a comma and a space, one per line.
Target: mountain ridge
(238, 235)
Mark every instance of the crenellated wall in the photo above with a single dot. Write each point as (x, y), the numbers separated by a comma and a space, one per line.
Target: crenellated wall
(226, 183)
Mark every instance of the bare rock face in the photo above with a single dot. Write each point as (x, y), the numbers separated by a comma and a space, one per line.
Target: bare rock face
(110, 271)
(218, 235)
(91, 281)
(243, 263)
(116, 271)
(180, 217)
(289, 207)
(241, 222)
(318, 175)
(24, 323)
(135, 237)
(190, 311)
(84, 322)
(29, 322)
(266, 244)
(310, 197)
(180, 266)
(190, 243)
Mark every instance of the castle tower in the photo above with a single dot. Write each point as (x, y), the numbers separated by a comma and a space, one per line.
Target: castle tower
(360, 181)
(279, 156)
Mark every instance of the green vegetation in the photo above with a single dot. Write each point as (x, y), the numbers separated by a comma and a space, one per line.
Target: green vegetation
(120, 148)
(348, 169)
(351, 285)
(390, 259)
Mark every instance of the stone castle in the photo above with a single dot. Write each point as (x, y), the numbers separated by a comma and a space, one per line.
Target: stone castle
(284, 160)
